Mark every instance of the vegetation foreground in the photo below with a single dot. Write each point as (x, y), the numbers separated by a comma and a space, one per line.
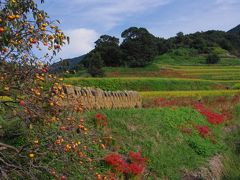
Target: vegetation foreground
(188, 126)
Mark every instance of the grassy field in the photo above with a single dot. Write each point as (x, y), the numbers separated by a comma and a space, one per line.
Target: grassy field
(156, 132)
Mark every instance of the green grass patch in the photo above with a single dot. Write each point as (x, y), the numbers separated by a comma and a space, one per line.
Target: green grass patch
(156, 133)
(180, 56)
(145, 84)
(183, 56)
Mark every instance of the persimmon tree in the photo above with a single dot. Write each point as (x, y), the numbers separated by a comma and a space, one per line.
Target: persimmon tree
(41, 137)
(24, 98)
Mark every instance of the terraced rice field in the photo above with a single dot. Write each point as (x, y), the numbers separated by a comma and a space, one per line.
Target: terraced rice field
(149, 83)
(159, 79)
(207, 72)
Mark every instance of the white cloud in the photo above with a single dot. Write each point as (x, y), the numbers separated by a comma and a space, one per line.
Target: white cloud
(105, 14)
(81, 42)
(110, 13)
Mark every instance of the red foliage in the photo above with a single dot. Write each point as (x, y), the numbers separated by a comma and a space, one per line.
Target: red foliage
(118, 163)
(115, 74)
(186, 130)
(164, 102)
(212, 117)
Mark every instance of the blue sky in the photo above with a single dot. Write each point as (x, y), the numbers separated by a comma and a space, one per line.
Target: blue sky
(85, 20)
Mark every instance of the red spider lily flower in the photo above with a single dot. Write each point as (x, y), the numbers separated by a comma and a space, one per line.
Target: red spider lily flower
(136, 166)
(98, 116)
(101, 120)
(136, 157)
(212, 117)
(204, 131)
(117, 162)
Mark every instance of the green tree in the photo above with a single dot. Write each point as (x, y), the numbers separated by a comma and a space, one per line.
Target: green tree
(179, 37)
(139, 47)
(108, 47)
(163, 45)
(95, 64)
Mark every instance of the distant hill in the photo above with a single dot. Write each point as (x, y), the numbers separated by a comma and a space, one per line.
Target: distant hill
(66, 64)
(139, 48)
(235, 30)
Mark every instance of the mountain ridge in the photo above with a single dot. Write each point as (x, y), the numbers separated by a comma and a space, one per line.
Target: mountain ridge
(235, 30)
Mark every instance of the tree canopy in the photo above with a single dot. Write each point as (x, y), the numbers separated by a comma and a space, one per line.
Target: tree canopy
(108, 47)
(139, 47)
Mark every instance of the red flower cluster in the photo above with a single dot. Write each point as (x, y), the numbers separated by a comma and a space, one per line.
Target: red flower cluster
(137, 165)
(212, 117)
(119, 164)
(101, 120)
(203, 130)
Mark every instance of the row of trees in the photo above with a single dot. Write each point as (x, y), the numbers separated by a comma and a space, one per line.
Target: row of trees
(139, 47)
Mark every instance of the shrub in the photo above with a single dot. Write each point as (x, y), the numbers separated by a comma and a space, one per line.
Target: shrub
(212, 59)
(95, 64)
